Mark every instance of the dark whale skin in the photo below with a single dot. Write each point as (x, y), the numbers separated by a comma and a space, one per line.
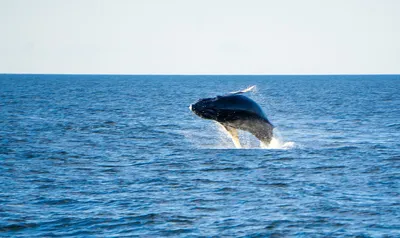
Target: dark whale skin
(236, 111)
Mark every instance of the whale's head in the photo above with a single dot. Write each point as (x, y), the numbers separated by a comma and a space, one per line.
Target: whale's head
(226, 108)
(206, 108)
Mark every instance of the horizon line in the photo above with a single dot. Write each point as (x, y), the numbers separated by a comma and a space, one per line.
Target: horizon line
(110, 74)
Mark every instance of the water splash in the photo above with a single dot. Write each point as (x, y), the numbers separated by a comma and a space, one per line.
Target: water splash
(249, 141)
(278, 144)
(214, 136)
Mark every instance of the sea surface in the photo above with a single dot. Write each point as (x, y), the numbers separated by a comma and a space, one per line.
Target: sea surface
(123, 156)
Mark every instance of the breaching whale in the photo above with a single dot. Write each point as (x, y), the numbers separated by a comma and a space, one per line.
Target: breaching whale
(235, 111)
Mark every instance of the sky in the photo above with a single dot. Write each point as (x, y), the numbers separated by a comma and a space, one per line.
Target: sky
(200, 36)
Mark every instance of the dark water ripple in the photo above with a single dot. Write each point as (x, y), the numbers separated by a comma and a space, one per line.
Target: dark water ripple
(108, 156)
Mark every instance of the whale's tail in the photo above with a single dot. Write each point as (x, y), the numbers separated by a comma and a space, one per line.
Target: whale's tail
(251, 88)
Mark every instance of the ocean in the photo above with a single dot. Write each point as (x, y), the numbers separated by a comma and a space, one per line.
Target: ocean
(123, 156)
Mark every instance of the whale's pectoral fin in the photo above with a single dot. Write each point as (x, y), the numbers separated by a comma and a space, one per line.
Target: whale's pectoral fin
(234, 135)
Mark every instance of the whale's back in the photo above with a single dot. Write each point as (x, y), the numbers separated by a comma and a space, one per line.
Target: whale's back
(240, 103)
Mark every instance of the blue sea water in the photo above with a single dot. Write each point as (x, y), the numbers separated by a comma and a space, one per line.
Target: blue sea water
(123, 156)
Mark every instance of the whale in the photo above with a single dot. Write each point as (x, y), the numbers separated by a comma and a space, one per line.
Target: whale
(235, 111)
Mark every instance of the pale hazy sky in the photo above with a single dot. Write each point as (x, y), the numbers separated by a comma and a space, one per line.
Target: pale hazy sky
(200, 36)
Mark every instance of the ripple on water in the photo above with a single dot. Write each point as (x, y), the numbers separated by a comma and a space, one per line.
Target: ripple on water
(85, 156)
